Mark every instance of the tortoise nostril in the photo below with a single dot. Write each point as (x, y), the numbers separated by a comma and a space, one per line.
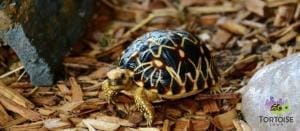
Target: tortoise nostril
(119, 82)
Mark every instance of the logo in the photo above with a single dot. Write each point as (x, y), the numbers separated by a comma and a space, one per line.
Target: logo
(278, 109)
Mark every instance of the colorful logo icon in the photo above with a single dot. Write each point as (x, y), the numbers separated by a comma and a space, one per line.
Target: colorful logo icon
(277, 107)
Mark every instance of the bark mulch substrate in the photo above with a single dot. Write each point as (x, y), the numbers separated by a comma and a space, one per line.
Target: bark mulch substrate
(245, 36)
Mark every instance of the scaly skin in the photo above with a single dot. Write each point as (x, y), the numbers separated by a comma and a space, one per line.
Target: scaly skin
(141, 97)
(109, 92)
(144, 105)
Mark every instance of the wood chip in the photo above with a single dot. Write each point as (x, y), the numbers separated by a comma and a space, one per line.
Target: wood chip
(100, 73)
(106, 123)
(4, 117)
(21, 85)
(112, 119)
(70, 106)
(233, 27)
(56, 123)
(276, 54)
(76, 120)
(86, 61)
(247, 47)
(94, 124)
(246, 61)
(14, 96)
(232, 42)
(200, 125)
(240, 64)
(284, 15)
(261, 38)
(192, 2)
(90, 93)
(256, 6)
(190, 106)
(220, 39)
(287, 37)
(225, 121)
(254, 24)
(290, 51)
(237, 125)
(277, 48)
(35, 126)
(46, 112)
(166, 125)
(18, 120)
(197, 10)
(135, 117)
(297, 12)
(173, 113)
(283, 31)
(45, 100)
(17, 108)
(242, 15)
(298, 39)
(209, 19)
(241, 125)
(210, 106)
(245, 126)
(66, 92)
(148, 129)
(275, 3)
(5, 22)
(182, 125)
(166, 12)
(77, 95)
(64, 89)
(238, 106)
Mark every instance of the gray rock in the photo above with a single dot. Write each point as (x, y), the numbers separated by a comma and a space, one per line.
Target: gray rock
(271, 100)
(42, 31)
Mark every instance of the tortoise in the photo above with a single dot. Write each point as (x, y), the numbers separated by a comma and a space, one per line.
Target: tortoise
(162, 65)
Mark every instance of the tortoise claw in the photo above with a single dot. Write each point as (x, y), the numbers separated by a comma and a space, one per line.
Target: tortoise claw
(216, 89)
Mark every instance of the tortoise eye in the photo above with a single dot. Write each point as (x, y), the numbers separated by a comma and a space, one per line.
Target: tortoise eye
(122, 76)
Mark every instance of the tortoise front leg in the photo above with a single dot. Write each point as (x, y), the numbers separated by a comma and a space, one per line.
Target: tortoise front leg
(109, 91)
(143, 102)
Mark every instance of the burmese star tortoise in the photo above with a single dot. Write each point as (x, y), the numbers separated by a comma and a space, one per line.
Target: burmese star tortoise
(162, 64)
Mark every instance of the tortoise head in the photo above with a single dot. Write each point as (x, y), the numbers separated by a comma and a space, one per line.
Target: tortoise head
(120, 77)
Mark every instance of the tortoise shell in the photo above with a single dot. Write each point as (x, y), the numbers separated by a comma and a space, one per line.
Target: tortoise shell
(170, 62)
